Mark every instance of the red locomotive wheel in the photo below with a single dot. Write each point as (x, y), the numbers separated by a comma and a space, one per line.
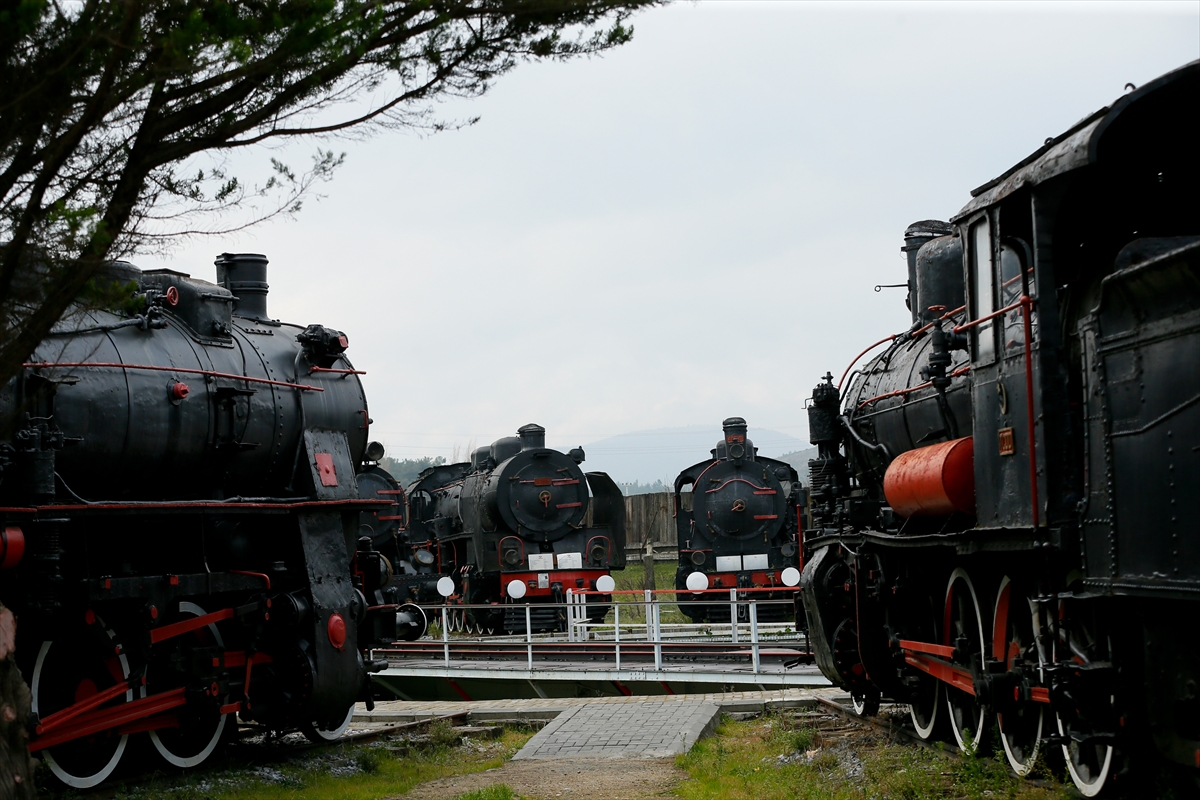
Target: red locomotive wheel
(316, 733)
(1081, 639)
(68, 670)
(1015, 633)
(200, 727)
(968, 718)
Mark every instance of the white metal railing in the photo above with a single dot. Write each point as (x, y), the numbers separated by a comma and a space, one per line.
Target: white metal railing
(625, 642)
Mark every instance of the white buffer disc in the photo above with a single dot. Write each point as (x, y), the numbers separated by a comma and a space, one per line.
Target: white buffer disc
(697, 581)
(446, 586)
(516, 589)
(790, 576)
(605, 583)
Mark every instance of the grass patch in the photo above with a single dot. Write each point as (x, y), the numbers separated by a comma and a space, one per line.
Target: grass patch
(743, 762)
(366, 772)
(501, 791)
(633, 577)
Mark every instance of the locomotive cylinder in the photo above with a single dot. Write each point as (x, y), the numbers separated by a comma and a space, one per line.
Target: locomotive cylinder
(933, 481)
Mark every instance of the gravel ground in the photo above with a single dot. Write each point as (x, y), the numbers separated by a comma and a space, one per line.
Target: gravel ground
(595, 779)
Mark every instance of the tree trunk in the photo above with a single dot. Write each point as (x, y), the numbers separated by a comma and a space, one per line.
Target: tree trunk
(16, 765)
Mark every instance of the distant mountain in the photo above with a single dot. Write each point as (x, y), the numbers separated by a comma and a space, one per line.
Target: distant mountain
(799, 459)
(661, 454)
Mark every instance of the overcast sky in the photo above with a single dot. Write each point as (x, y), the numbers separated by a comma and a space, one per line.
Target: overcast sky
(688, 228)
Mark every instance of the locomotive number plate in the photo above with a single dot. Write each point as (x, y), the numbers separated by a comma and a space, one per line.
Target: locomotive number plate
(1007, 447)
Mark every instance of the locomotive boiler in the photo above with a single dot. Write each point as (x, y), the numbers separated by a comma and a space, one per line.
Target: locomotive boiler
(519, 522)
(1005, 498)
(742, 531)
(180, 507)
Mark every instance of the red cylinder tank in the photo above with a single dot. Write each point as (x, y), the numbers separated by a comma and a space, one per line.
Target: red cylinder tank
(933, 481)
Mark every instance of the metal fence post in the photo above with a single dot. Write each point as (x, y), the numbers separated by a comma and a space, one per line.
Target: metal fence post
(648, 600)
(754, 632)
(617, 632)
(657, 639)
(446, 635)
(528, 637)
(570, 615)
(733, 626)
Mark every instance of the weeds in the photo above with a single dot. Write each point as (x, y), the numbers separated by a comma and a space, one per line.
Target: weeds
(500, 791)
(784, 756)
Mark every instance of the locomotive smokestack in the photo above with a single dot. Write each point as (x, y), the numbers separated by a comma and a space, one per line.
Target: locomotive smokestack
(735, 437)
(916, 235)
(533, 437)
(245, 274)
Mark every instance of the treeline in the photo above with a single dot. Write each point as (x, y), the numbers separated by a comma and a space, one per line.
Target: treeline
(406, 470)
(638, 487)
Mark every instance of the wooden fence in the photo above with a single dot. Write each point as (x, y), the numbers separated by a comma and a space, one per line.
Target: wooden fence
(650, 518)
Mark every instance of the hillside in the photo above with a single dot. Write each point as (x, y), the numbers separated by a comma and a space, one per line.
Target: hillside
(660, 454)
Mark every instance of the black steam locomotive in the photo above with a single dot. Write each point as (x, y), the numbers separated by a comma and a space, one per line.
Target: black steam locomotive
(180, 508)
(1006, 500)
(742, 530)
(517, 522)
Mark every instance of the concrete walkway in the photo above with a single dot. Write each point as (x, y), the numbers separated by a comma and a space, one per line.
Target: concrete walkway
(397, 711)
(623, 730)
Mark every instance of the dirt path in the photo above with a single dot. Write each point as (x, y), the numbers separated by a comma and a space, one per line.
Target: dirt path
(595, 779)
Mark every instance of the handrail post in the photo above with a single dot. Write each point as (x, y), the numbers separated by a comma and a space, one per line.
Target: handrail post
(754, 633)
(657, 638)
(648, 614)
(617, 632)
(445, 634)
(570, 615)
(733, 612)
(528, 637)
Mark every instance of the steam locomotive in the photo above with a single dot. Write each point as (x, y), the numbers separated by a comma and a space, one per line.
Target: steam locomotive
(180, 508)
(1005, 499)
(742, 529)
(520, 521)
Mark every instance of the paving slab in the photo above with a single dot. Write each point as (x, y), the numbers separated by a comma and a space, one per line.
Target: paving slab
(623, 730)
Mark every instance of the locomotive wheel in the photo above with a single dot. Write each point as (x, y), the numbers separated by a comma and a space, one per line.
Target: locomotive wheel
(200, 727)
(968, 718)
(68, 670)
(1015, 629)
(865, 702)
(1091, 765)
(927, 696)
(317, 734)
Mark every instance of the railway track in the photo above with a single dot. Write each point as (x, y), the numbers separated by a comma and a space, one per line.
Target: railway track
(897, 730)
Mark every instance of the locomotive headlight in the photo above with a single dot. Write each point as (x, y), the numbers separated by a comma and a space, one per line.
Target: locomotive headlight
(790, 576)
(424, 558)
(516, 589)
(697, 581)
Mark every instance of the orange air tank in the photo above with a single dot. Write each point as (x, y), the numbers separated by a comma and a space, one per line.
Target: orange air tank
(933, 481)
